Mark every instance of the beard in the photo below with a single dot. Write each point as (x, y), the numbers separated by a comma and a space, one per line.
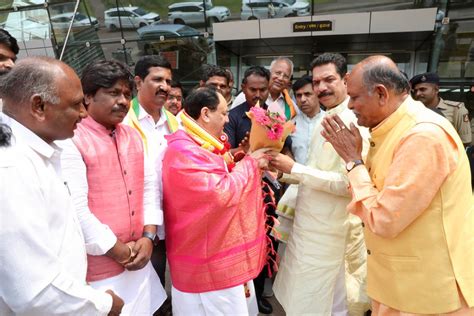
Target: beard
(4, 71)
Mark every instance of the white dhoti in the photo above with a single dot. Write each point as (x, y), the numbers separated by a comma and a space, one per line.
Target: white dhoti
(231, 301)
(141, 290)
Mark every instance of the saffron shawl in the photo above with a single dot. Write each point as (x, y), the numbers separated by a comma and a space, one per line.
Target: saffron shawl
(215, 220)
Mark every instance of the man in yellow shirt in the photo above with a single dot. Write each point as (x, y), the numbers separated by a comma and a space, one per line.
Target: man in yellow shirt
(412, 193)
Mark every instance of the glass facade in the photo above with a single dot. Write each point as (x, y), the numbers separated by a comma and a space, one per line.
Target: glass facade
(182, 31)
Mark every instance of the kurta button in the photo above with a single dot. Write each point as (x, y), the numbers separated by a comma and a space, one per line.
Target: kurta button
(372, 144)
(363, 225)
(129, 192)
(133, 234)
(368, 251)
(125, 172)
(133, 213)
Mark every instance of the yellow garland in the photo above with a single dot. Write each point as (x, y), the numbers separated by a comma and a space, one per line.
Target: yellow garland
(206, 140)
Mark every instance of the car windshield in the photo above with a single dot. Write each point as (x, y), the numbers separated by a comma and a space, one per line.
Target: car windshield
(80, 16)
(208, 6)
(187, 31)
(290, 2)
(140, 11)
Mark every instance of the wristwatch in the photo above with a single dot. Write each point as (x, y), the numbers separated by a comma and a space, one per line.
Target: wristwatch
(352, 164)
(150, 236)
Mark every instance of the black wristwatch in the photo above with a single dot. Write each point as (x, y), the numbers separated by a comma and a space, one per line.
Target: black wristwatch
(354, 163)
(150, 236)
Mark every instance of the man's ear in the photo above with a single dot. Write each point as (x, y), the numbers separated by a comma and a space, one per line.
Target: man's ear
(37, 107)
(344, 79)
(201, 83)
(205, 114)
(382, 93)
(138, 82)
(88, 99)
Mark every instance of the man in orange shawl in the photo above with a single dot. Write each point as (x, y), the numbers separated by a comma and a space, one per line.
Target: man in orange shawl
(214, 213)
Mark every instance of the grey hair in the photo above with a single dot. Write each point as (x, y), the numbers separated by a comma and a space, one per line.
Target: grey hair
(34, 76)
(285, 59)
(390, 77)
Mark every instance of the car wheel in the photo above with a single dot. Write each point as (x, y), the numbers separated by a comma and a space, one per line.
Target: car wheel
(291, 15)
(178, 21)
(112, 27)
(212, 20)
(252, 18)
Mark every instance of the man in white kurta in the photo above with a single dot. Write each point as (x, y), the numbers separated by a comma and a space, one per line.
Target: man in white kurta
(43, 259)
(309, 116)
(311, 277)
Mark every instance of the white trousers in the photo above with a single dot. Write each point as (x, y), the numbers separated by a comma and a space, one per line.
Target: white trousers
(339, 303)
(231, 301)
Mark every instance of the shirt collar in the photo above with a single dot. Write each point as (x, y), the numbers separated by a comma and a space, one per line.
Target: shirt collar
(143, 114)
(311, 119)
(270, 100)
(25, 136)
(338, 108)
(386, 125)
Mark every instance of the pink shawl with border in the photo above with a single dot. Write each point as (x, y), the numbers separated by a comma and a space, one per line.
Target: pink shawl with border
(215, 221)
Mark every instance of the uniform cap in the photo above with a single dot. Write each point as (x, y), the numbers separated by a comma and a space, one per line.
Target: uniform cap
(427, 77)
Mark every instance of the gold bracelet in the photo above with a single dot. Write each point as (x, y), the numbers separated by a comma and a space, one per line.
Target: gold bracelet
(129, 257)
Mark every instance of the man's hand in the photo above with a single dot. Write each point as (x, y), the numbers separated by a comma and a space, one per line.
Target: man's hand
(244, 144)
(261, 156)
(347, 142)
(281, 162)
(143, 248)
(117, 304)
(120, 252)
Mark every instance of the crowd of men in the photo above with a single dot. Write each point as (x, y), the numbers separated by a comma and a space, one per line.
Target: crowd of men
(101, 190)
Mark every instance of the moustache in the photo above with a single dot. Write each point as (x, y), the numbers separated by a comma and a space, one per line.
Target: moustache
(163, 92)
(119, 108)
(324, 94)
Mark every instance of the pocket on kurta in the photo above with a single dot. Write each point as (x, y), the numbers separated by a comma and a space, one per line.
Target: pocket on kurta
(399, 263)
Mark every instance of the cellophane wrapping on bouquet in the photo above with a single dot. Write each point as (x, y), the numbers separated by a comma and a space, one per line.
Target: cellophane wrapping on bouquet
(269, 129)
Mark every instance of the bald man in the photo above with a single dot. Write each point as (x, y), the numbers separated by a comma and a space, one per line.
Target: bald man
(418, 228)
(44, 272)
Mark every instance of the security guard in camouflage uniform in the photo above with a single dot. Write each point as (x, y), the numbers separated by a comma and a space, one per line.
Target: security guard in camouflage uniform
(425, 88)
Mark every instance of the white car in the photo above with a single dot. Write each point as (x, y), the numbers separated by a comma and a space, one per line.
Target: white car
(130, 17)
(64, 19)
(193, 13)
(263, 9)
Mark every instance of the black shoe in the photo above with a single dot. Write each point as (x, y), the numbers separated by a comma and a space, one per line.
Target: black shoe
(264, 306)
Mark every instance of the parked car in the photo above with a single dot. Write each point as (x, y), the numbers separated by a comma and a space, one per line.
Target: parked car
(64, 19)
(193, 13)
(130, 17)
(157, 36)
(188, 46)
(262, 9)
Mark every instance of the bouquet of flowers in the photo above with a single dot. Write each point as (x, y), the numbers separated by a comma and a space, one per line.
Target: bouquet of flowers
(269, 129)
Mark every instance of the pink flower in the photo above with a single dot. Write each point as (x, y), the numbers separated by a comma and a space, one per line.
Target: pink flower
(273, 121)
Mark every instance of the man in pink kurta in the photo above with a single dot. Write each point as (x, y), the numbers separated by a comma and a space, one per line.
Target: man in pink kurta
(215, 221)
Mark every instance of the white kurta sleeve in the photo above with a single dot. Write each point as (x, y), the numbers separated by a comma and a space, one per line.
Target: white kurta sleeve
(99, 237)
(152, 212)
(64, 296)
(328, 181)
(33, 278)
